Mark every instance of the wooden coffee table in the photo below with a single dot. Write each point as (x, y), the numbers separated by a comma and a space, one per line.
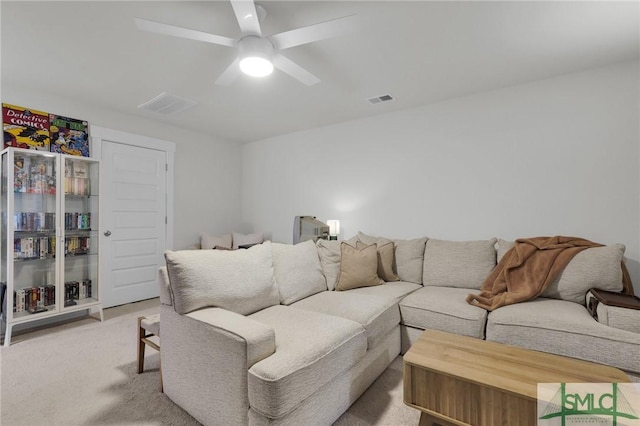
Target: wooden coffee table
(458, 380)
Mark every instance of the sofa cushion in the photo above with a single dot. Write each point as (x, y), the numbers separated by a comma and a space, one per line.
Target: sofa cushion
(297, 270)
(395, 290)
(377, 315)
(461, 264)
(244, 240)
(208, 242)
(311, 349)
(564, 328)
(329, 252)
(409, 259)
(386, 260)
(358, 267)
(445, 309)
(597, 267)
(241, 281)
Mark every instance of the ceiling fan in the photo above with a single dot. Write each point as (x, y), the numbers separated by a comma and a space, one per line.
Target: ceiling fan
(257, 54)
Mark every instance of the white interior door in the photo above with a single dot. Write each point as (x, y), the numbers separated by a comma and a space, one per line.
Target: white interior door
(133, 223)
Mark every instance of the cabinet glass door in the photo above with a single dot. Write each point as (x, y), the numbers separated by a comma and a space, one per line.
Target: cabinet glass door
(80, 230)
(29, 207)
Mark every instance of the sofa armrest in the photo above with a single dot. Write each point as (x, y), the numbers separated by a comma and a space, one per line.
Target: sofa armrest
(260, 339)
(205, 358)
(614, 316)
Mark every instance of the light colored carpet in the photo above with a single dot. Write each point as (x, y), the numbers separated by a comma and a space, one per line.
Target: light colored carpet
(84, 373)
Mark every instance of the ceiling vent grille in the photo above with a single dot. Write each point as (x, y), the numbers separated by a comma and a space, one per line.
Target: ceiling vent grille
(379, 99)
(167, 104)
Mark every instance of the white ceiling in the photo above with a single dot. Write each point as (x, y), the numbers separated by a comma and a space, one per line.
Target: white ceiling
(420, 52)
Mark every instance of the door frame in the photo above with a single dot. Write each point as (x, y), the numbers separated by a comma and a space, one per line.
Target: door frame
(102, 134)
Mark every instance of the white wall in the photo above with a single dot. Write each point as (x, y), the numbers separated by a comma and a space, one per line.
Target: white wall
(207, 170)
(554, 157)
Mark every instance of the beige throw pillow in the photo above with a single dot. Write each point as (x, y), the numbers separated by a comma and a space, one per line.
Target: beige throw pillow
(208, 242)
(358, 268)
(329, 252)
(594, 267)
(409, 256)
(503, 247)
(386, 258)
(247, 240)
(370, 239)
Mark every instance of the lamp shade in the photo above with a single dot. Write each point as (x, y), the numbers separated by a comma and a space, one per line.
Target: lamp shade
(255, 54)
(334, 227)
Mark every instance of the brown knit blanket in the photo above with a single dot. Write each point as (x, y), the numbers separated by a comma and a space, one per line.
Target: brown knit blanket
(527, 269)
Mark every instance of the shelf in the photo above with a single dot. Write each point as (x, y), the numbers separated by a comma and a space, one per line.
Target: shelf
(36, 192)
(78, 195)
(78, 231)
(29, 259)
(82, 302)
(27, 314)
(41, 233)
(77, 254)
(51, 257)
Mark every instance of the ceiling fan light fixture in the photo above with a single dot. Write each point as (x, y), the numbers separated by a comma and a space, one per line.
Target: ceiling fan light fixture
(255, 55)
(255, 66)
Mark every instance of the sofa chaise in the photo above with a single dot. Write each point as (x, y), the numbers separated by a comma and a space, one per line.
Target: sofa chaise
(283, 334)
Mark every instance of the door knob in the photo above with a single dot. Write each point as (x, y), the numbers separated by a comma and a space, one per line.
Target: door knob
(106, 234)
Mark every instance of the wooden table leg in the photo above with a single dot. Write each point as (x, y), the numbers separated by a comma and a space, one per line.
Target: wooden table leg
(141, 345)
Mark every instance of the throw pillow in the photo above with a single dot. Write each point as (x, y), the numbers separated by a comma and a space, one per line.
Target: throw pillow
(241, 281)
(460, 264)
(358, 268)
(215, 242)
(386, 259)
(240, 240)
(329, 252)
(594, 267)
(409, 256)
(352, 241)
(503, 247)
(369, 239)
(597, 267)
(297, 270)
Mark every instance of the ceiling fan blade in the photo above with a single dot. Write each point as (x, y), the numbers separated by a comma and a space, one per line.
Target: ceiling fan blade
(294, 70)
(230, 74)
(172, 30)
(315, 32)
(247, 17)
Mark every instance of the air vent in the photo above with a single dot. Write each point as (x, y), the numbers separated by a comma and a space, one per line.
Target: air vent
(167, 104)
(383, 98)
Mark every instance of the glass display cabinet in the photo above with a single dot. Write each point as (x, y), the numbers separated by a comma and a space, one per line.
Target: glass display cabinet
(49, 254)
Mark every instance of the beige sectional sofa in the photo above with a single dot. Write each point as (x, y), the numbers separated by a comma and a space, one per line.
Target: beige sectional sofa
(262, 336)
